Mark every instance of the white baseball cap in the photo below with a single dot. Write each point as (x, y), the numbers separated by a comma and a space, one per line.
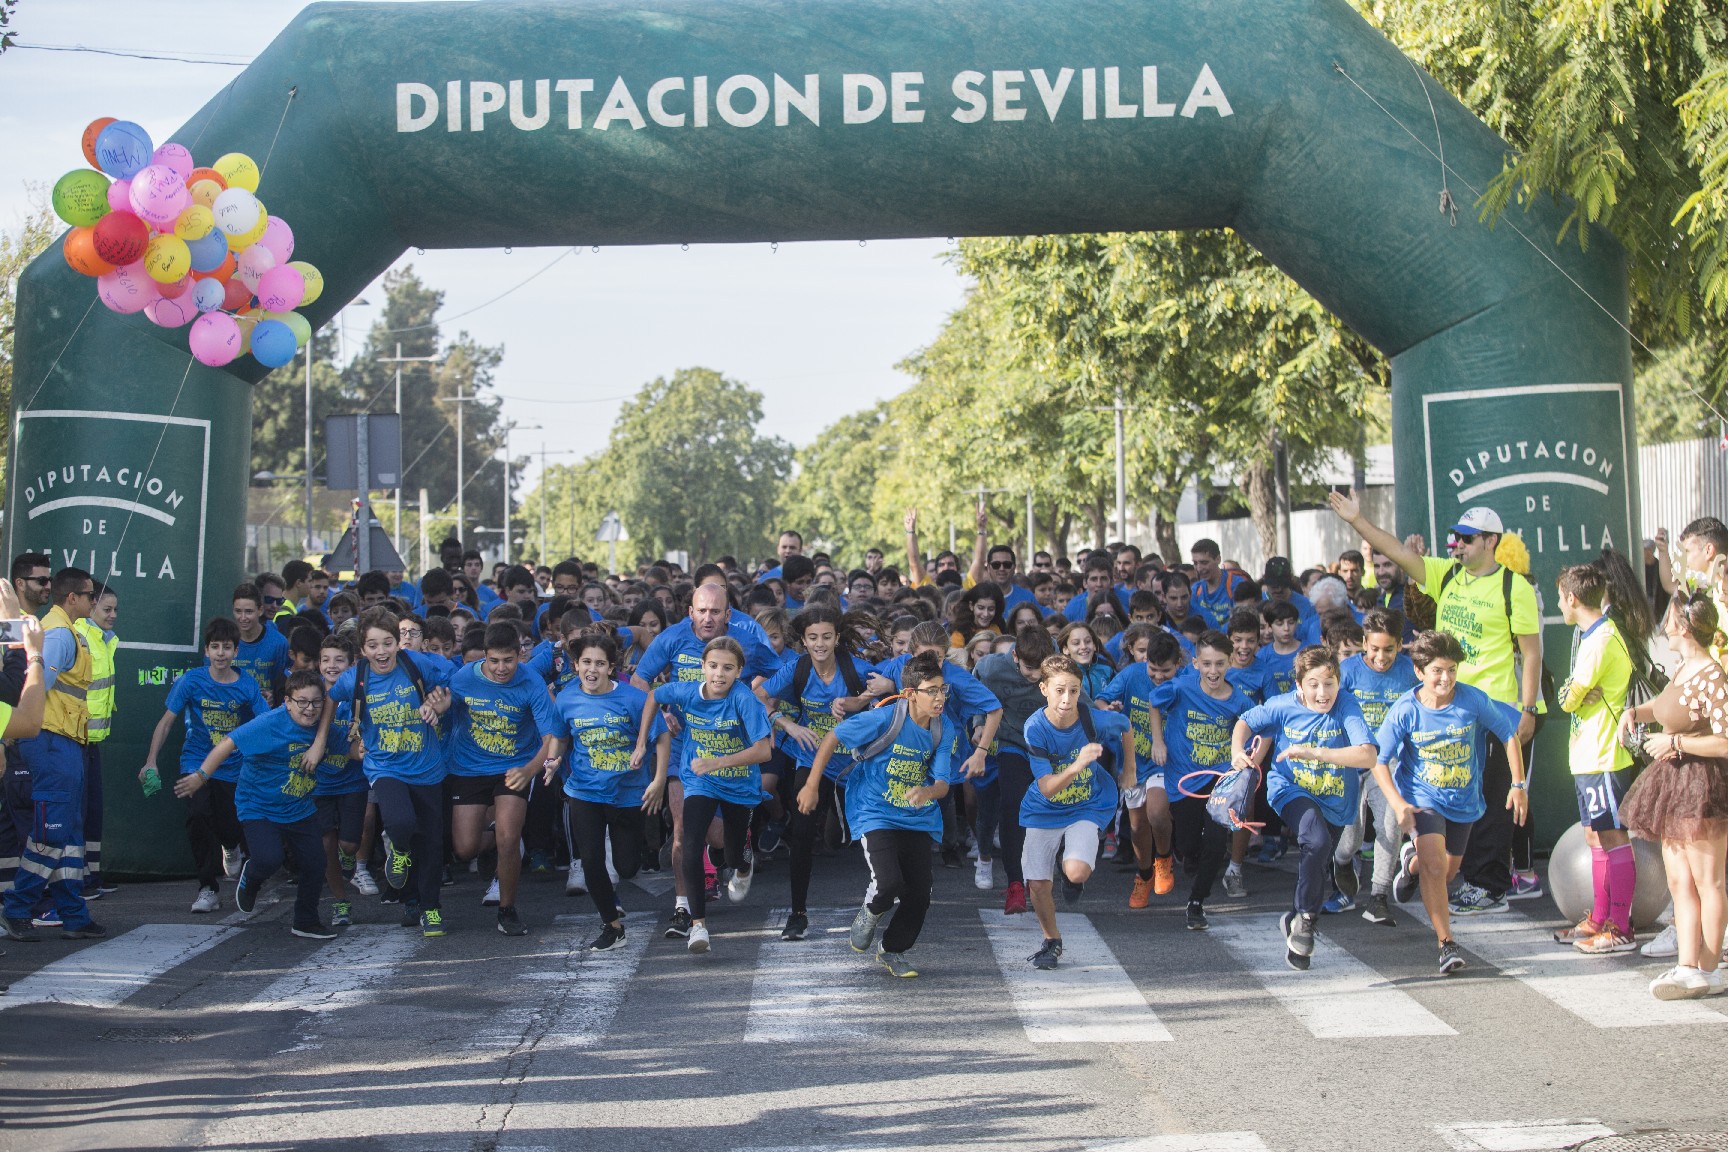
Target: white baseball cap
(1479, 520)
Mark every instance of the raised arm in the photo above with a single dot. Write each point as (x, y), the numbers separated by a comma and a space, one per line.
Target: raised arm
(1348, 509)
(980, 543)
(914, 556)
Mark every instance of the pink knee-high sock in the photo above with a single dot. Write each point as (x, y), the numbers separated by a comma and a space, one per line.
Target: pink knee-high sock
(1622, 884)
(1599, 882)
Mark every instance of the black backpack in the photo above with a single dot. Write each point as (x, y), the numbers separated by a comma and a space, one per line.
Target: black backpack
(805, 668)
(1106, 762)
(414, 677)
(1550, 695)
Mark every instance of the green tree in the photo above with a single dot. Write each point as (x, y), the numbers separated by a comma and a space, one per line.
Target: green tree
(577, 497)
(1669, 407)
(19, 246)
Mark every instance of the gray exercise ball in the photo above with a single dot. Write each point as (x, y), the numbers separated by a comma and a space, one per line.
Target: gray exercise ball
(1570, 884)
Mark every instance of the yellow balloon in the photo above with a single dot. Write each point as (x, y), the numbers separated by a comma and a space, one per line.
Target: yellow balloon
(241, 243)
(314, 281)
(239, 170)
(167, 259)
(195, 222)
(246, 321)
(205, 192)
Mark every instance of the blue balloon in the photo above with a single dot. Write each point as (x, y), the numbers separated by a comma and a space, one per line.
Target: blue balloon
(209, 251)
(123, 149)
(273, 343)
(207, 295)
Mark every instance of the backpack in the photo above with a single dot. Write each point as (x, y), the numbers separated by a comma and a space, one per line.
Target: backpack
(885, 740)
(1232, 793)
(1550, 696)
(414, 677)
(802, 671)
(1106, 762)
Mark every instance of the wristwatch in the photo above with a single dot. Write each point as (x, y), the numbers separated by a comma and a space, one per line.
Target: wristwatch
(1521, 786)
(1530, 709)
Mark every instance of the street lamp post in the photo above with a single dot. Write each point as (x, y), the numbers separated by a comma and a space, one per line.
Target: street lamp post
(397, 360)
(509, 428)
(461, 444)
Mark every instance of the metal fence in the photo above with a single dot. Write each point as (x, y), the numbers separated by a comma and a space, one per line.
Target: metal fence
(1680, 482)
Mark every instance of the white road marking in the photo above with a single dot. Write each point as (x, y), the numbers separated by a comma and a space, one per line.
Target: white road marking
(105, 974)
(342, 973)
(813, 989)
(1521, 1135)
(582, 992)
(1088, 999)
(1187, 1142)
(653, 883)
(1339, 996)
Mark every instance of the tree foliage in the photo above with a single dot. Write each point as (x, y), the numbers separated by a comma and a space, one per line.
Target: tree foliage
(19, 246)
(830, 498)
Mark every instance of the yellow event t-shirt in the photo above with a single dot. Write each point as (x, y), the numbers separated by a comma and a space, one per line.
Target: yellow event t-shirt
(1602, 664)
(1474, 611)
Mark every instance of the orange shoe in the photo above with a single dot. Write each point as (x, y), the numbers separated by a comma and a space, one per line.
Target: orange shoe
(1583, 930)
(1163, 875)
(1141, 895)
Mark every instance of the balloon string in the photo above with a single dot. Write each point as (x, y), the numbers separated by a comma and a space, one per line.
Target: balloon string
(150, 468)
(292, 92)
(31, 403)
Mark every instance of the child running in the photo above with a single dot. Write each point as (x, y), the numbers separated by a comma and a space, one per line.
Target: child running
(1376, 677)
(1147, 801)
(340, 794)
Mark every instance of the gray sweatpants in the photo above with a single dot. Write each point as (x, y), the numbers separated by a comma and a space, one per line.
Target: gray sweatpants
(1386, 836)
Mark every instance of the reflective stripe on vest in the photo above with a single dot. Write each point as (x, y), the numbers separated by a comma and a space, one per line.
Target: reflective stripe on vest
(99, 698)
(66, 711)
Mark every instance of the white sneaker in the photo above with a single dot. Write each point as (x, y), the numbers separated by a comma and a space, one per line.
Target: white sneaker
(490, 900)
(1679, 983)
(738, 885)
(207, 901)
(1663, 945)
(363, 882)
(984, 875)
(698, 942)
(1715, 982)
(576, 883)
(232, 861)
(1233, 885)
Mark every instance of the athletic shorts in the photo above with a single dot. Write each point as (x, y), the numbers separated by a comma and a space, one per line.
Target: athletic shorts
(1599, 797)
(1135, 797)
(1078, 841)
(464, 790)
(344, 815)
(1431, 823)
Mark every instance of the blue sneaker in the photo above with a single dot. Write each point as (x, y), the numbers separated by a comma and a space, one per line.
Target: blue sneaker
(396, 868)
(1338, 902)
(48, 919)
(1271, 848)
(245, 895)
(772, 831)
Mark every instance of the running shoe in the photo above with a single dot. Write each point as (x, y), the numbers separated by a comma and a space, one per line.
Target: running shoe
(48, 919)
(92, 893)
(206, 901)
(711, 888)
(1337, 902)
(540, 861)
(797, 924)
(1298, 939)
(983, 875)
(678, 927)
(1140, 895)
(738, 885)
(20, 928)
(772, 831)
(363, 882)
(1110, 846)
(1377, 911)
(101, 888)
(90, 931)
(1014, 900)
(1233, 885)
(1715, 982)
(1473, 901)
(448, 879)
(1046, 957)
(864, 928)
(345, 861)
(1450, 959)
(511, 924)
(245, 896)
(575, 880)
(410, 914)
(1071, 893)
(611, 936)
(432, 923)
(490, 900)
(1680, 983)
(1196, 917)
(698, 939)
(314, 931)
(1664, 945)
(1346, 882)
(341, 914)
(1163, 875)
(1271, 848)
(232, 861)
(951, 856)
(1525, 886)
(1606, 942)
(1405, 881)
(396, 866)
(896, 963)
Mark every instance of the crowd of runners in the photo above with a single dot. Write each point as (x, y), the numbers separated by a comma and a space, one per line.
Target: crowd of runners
(1031, 716)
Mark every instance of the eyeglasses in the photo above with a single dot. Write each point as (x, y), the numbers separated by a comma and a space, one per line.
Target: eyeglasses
(275, 601)
(1002, 565)
(87, 593)
(43, 581)
(411, 633)
(306, 702)
(934, 692)
(1459, 539)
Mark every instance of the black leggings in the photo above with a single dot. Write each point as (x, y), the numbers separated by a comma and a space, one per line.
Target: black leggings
(698, 814)
(586, 826)
(899, 862)
(413, 818)
(801, 833)
(1014, 775)
(211, 826)
(1201, 840)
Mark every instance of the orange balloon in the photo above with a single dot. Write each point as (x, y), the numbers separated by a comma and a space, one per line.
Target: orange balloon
(223, 271)
(80, 250)
(206, 174)
(90, 134)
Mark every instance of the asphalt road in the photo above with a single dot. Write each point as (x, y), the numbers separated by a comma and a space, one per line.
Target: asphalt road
(225, 1031)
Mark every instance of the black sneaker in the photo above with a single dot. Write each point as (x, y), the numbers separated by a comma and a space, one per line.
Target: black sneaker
(796, 925)
(314, 931)
(1071, 892)
(1376, 910)
(511, 924)
(1298, 933)
(1346, 879)
(90, 931)
(21, 929)
(1450, 959)
(1196, 917)
(1047, 955)
(245, 896)
(1405, 882)
(678, 928)
(410, 914)
(389, 895)
(611, 936)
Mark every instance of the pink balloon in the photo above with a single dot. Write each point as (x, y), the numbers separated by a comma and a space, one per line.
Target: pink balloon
(120, 196)
(281, 289)
(127, 290)
(252, 265)
(279, 238)
(170, 313)
(215, 339)
(175, 156)
(159, 195)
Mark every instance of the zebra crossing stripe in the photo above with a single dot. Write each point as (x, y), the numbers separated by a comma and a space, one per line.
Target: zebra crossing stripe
(1187, 1142)
(1521, 1135)
(1088, 999)
(342, 973)
(105, 974)
(1338, 997)
(812, 989)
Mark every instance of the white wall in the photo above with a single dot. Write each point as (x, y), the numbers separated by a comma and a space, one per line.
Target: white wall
(1316, 537)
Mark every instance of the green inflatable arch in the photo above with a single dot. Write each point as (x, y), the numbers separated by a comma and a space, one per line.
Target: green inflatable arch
(389, 126)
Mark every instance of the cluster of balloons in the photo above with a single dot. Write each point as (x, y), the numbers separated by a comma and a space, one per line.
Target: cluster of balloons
(186, 245)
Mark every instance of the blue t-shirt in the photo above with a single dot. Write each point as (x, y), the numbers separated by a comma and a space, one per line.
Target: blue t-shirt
(553, 665)
(1288, 721)
(814, 711)
(212, 711)
(967, 696)
(678, 651)
(714, 728)
(1279, 669)
(339, 774)
(876, 788)
(264, 659)
(497, 726)
(1092, 795)
(274, 785)
(1197, 731)
(1439, 752)
(1215, 607)
(409, 594)
(399, 746)
(1252, 680)
(602, 730)
(1132, 689)
(1375, 692)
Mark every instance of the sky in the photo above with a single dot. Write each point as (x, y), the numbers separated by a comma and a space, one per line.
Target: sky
(816, 328)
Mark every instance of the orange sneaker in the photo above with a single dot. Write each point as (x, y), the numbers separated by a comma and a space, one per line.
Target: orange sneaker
(1583, 930)
(1141, 895)
(1606, 942)
(1163, 875)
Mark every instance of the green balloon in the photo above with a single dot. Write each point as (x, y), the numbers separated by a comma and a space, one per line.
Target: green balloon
(81, 197)
(297, 324)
